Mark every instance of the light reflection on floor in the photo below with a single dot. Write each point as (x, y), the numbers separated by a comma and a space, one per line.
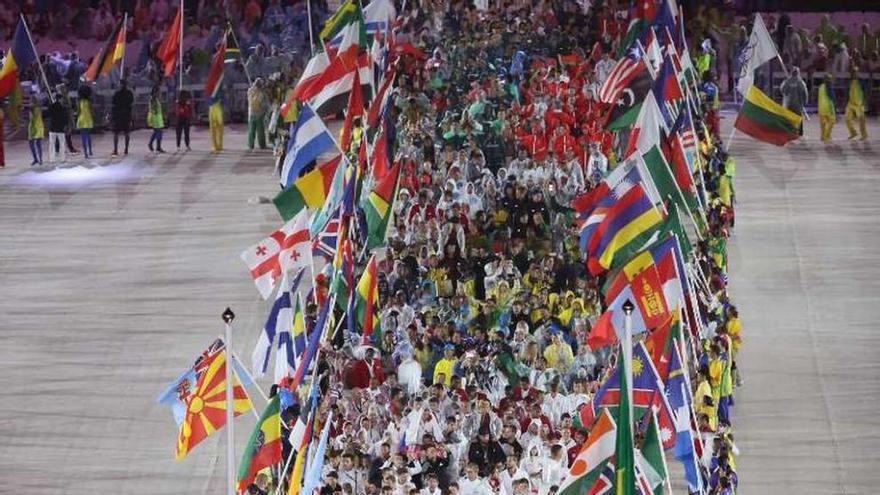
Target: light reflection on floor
(84, 174)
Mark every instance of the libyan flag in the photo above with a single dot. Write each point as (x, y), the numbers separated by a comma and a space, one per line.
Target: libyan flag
(264, 446)
(765, 120)
(628, 105)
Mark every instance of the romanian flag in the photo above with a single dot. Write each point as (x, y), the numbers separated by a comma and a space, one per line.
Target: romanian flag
(215, 74)
(20, 55)
(765, 120)
(377, 207)
(626, 228)
(264, 446)
(112, 53)
(169, 51)
(366, 302)
(206, 409)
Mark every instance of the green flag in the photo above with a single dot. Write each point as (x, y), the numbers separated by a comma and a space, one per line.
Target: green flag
(652, 451)
(625, 469)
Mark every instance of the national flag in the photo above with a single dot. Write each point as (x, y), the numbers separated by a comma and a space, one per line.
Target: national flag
(355, 109)
(308, 191)
(18, 57)
(280, 319)
(627, 226)
(626, 108)
(310, 144)
(659, 343)
(285, 249)
(324, 244)
(366, 304)
(681, 401)
(309, 82)
(624, 458)
(333, 87)
(314, 473)
(660, 261)
(312, 347)
(169, 50)
(378, 107)
(343, 275)
(232, 54)
(378, 207)
(350, 41)
(178, 393)
(653, 52)
(379, 16)
(294, 486)
(646, 131)
(111, 53)
(292, 341)
(263, 447)
(610, 325)
(339, 187)
(595, 453)
(641, 15)
(215, 74)
(206, 406)
(667, 92)
(759, 51)
(347, 13)
(765, 120)
(625, 70)
(652, 452)
(680, 147)
(673, 226)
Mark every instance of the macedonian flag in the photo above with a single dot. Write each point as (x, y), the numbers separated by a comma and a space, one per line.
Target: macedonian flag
(206, 407)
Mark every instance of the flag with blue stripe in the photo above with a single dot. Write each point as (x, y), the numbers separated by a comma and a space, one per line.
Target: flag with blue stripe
(310, 144)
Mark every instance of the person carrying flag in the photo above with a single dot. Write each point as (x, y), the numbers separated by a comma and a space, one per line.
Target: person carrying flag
(257, 104)
(36, 129)
(120, 115)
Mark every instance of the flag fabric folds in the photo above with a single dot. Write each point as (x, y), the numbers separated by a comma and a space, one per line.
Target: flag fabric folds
(215, 74)
(310, 144)
(377, 207)
(597, 450)
(206, 406)
(308, 191)
(366, 310)
(285, 249)
(759, 51)
(263, 448)
(765, 120)
(624, 456)
(111, 53)
(169, 50)
(20, 55)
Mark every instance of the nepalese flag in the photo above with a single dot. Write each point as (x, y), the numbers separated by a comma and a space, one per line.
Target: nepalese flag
(310, 145)
(284, 250)
(648, 392)
(667, 92)
(20, 55)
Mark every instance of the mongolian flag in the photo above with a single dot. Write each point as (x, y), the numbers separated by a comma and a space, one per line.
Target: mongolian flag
(169, 51)
(377, 207)
(112, 53)
(20, 55)
(264, 446)
(215, 74)
(206, 407)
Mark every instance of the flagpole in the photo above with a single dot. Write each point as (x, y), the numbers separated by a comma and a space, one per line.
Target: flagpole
(124, 36)
(180, 53)
(311, 36)
(40, 64)
(228, 316)
(247, 73)
(628, 308)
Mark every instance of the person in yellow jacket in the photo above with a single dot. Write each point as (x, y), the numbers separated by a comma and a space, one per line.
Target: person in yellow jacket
(855, 107)
(215, 121)
(84, 120)
(155, 120)
(558, 354)
(36, 130)
(445, 367)
(827, 112)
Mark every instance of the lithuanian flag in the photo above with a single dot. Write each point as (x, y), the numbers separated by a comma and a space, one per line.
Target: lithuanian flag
(112, 52)
(308, 191)
(377, 207)
(366, 302)
(765, 120)
(264, 446)
(20, 55)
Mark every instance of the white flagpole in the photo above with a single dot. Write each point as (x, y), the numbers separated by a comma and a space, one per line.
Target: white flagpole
(180, 51)
(240, 53)
(311, 36)
(228, 316)
(124, 36)
(39, 64)
(628, 308)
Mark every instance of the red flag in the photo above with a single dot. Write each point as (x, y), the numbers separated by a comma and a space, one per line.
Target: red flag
(355, 109)
(169, 51)
(215, 75)
(602, 333)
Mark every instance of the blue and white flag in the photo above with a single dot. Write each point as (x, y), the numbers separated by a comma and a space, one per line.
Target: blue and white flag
(278, 323)
(310, 143)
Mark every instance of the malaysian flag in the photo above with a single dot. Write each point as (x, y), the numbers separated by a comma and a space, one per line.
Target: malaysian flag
(626, 69)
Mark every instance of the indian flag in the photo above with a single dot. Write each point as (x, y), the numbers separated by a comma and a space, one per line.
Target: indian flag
(377, 207)
(765, 120)
(264, 446)
(591, 460)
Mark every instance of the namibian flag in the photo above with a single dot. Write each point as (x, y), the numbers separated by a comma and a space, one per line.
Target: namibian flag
(627, 226)
(112, 52)
(377, 207)
(21, 54)
(264, 446)
(765, 120)
(215, 74)
(308, 191)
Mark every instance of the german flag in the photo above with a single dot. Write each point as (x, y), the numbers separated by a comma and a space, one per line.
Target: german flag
(112, 53)
(264, 446)
(765, 120)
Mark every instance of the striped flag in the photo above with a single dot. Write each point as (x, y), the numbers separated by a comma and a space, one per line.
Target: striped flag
(215, 74)
(310, 144)
(623, 72)
(232, 53)
(264, 445)
(169, 50)
(366, 302)
(20, 55)
(377, 207)
(111, 53)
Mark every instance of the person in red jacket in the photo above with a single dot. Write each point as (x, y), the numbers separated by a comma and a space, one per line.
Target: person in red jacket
(183, 111)
(364, 371)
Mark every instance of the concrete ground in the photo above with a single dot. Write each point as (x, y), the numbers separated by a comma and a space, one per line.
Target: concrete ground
(114, 275)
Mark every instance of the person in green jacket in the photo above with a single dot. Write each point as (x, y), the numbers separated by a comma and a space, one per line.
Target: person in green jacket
(84, 120)
(257, 106)
(36, 130)
(155, 120)
(827, 112)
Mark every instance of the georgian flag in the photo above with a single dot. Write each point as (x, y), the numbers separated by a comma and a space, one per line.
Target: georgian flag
(286, 249)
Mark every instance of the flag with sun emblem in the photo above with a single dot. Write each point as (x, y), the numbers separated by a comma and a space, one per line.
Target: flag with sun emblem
(264, 447)
(206, 403)
(648, 394)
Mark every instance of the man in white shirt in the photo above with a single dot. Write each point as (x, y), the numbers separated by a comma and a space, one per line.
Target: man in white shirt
(511, 473)
(432, 485)
(472, 484)
(348, 473)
